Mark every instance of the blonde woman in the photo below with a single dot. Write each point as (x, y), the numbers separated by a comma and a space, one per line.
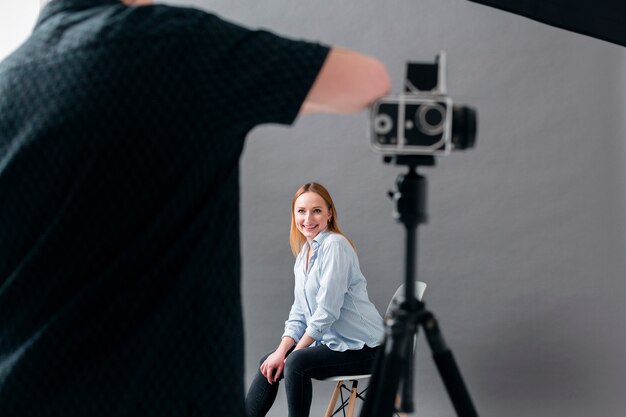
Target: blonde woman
(332, 328)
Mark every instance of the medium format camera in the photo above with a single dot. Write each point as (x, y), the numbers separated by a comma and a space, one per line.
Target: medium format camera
(423, 120)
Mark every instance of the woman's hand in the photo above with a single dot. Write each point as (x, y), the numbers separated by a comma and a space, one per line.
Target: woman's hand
(272, 368)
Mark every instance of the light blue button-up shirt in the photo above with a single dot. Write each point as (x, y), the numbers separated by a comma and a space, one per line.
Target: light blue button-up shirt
(330, 299)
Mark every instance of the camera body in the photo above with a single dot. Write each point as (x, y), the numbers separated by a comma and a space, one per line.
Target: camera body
(422, 120)
(412, 124)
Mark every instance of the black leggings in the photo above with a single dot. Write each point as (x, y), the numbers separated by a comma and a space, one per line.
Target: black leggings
(301, 366)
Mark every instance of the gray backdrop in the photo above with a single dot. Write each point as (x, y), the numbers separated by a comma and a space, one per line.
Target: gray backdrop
(524, 253)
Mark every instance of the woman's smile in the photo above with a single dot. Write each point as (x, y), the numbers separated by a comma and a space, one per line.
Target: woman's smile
(311, 214)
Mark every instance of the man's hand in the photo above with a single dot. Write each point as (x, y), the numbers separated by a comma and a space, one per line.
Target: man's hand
(348, 82)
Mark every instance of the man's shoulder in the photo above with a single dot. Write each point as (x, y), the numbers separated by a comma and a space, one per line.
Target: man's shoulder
(164, 19)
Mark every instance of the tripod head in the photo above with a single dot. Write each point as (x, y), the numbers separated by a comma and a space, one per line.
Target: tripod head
(410, 195)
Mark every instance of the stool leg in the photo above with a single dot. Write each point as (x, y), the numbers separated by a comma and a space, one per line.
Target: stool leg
(352, 401)
(333, 399)
(398, 399)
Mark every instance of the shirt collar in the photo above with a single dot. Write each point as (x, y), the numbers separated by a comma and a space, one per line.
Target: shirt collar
(317, 241)
(57, 6)
(321, 236)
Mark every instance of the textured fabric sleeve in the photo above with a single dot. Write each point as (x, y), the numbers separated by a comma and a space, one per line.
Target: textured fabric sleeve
(334, 283)
(266, 76)
(296, 323)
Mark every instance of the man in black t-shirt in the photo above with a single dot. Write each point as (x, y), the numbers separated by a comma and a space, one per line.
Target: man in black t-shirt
(121, 129)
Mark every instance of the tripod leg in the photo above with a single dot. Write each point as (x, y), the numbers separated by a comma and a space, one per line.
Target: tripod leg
(406, 404)
(448, 369)
(387, 373)
(384, 382)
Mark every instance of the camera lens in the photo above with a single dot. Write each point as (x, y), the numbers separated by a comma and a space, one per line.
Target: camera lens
(431, 118)
(464, 124)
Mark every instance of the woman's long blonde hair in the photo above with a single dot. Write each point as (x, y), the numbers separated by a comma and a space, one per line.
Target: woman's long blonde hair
(296, 238)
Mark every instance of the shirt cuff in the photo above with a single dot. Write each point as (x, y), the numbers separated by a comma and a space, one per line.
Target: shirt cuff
(295, 337)
(314, 333)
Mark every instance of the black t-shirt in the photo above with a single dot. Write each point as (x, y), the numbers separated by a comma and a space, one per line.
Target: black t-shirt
(120, 135)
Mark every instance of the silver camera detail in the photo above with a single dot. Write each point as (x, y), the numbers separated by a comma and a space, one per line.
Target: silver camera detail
(422, 120)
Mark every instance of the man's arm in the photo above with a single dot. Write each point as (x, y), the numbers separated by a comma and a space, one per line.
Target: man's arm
(348, 82)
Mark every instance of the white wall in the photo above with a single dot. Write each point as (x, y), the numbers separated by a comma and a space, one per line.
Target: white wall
(17, 19)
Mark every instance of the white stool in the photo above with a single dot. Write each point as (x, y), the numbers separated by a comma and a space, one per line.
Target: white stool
(346, 404)
(350, 403)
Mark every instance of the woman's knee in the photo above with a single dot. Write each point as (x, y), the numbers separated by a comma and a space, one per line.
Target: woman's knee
(294, 364)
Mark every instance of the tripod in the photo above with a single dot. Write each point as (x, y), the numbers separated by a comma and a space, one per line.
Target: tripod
(393, 368)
